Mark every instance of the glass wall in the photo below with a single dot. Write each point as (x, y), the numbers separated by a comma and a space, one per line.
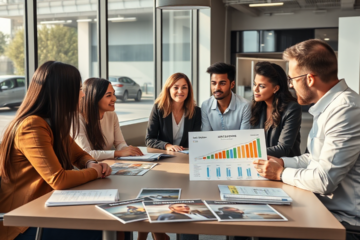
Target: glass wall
(131, 64)
(12, 65)
(176, 42)
(68, 33)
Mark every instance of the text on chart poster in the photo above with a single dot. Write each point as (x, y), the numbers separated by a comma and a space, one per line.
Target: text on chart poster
(226, 155)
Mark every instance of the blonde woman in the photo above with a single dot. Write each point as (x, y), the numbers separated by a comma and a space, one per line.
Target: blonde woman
(173, 116)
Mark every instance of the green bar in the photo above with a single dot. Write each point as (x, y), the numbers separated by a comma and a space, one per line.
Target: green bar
(227, 154)
(212, 156)
(234, 151)
(258, 147)
(208, 157)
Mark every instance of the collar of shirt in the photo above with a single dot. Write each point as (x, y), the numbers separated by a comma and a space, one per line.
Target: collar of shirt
(232, 105)
(328, 98)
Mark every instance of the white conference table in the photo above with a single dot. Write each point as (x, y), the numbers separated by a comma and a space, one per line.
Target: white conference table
(307, 216)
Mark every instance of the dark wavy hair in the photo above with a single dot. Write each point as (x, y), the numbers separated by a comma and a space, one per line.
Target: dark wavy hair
(94, 90)
(53, 94)
(282, 97)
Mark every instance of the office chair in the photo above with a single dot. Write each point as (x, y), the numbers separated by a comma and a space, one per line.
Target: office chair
(351, 229)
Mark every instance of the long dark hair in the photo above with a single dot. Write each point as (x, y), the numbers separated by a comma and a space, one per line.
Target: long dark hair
(282, 97)
(53, 94)
(94, 89)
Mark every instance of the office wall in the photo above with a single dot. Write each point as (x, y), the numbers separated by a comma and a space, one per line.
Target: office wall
(349, 51)
(304, 19)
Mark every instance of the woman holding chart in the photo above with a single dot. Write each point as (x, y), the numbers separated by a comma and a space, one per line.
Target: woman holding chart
(100, 134)
(173, 116)
(276, 110)
(37, 153)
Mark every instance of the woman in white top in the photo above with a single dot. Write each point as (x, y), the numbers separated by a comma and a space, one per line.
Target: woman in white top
(173, 116)
(99, 125)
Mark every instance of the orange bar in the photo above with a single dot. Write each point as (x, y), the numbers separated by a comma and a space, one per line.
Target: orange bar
(247, 151)
(204, 157)
(238, 154)
(224, 154)
(216, 156)
(255, 149)
(251, 150)
(220, 155)
(242, 151)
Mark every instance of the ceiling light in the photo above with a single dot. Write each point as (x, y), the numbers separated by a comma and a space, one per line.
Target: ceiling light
(266, 4)
(182, 4)
(283, 13)
(84, 20)
(53, 22)
(115, 19)
(122, 19)
(327, 39)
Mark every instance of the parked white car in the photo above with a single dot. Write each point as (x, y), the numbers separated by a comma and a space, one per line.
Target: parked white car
(125, 88)
(12, 90)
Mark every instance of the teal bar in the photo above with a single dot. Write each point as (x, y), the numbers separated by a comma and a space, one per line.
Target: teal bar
(259, 148)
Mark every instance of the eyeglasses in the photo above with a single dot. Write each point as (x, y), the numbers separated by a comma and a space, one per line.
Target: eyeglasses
(290, 79)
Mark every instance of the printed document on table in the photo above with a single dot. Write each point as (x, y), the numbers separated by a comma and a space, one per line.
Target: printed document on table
(226, 155)
(81, 197)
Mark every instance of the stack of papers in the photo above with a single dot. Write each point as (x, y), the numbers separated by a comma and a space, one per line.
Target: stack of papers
(254, 195)
(146, 157)
(82, 197)
(131, 169)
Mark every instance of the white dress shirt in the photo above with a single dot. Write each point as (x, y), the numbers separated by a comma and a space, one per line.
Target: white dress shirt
(332, 167)
(236, 116)
(178, 129)
(111, 131)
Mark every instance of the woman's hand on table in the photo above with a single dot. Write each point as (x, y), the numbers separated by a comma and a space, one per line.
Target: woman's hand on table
(173, 148)
(103, 169)
(128, 151)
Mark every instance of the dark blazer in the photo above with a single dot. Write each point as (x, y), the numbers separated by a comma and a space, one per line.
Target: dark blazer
(159, 131)
(284, 140)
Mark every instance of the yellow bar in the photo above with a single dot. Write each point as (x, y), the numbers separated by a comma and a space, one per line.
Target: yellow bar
(243, 151)
(239, 153)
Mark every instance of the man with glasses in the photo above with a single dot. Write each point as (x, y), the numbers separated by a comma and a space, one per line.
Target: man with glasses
(331, 169)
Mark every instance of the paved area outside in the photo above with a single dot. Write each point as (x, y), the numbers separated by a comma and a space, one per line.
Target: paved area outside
(129, 110)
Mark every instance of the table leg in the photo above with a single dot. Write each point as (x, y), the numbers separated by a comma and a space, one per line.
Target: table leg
(109, 235)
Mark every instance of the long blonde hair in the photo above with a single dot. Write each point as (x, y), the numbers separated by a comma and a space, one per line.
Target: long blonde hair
(164, 100)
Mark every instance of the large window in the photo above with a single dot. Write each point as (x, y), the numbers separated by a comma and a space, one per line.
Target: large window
(67, 33)
(12, 80)
(131, 64)
(176, 42)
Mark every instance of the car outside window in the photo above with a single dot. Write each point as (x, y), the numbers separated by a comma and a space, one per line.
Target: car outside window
(9, 83)
(20, 82)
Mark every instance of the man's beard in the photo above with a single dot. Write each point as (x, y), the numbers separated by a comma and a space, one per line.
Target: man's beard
(223, 96)
(306, 98)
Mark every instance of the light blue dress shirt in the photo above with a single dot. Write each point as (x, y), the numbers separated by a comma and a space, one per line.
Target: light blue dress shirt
(236, 116)
(332, 167)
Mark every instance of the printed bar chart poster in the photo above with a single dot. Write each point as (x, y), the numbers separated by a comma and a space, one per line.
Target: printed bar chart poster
(226, 155)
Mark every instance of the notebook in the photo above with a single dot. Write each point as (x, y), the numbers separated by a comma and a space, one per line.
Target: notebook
(82, 197)
(146, 157)
(254, 195)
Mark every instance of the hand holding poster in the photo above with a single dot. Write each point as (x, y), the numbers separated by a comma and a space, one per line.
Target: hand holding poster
(226, 155)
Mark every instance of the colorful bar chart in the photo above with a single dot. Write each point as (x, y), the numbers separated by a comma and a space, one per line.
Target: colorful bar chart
(249, 150)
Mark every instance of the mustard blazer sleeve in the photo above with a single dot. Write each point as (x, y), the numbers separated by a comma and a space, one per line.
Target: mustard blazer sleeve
(34, 139)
